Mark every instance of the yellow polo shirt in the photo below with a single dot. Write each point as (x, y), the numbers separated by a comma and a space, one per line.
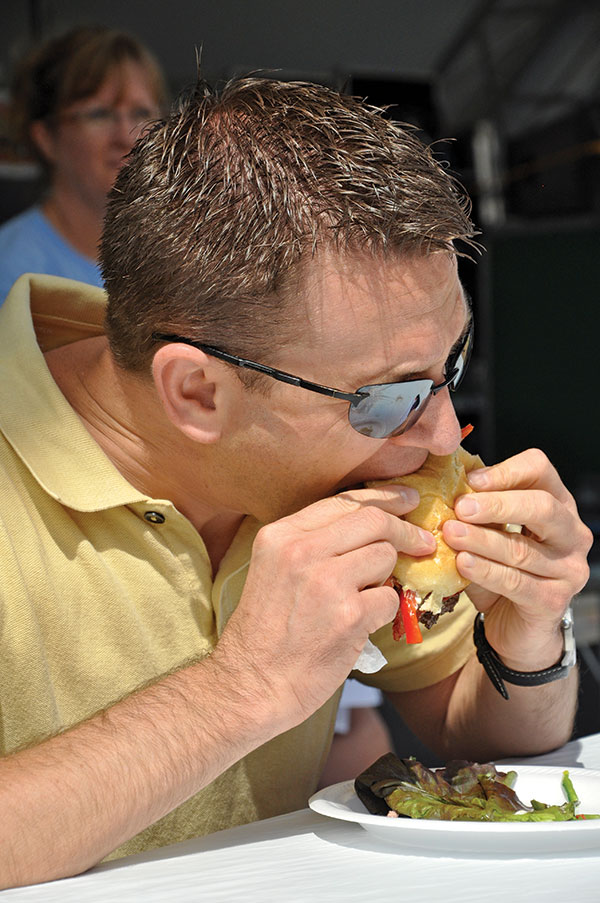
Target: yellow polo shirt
(104, 589)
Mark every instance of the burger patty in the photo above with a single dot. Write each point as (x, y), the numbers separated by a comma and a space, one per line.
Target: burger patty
(428, 619)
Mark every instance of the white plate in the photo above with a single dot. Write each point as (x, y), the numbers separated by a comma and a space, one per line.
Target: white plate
(540, 782)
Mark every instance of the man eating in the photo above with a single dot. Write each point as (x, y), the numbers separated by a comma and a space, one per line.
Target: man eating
(191, 565)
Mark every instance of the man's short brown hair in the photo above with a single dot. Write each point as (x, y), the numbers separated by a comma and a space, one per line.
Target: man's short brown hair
(211, 219)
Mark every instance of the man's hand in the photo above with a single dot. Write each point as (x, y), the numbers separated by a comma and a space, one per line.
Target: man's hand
(523, 581)
(315, 592)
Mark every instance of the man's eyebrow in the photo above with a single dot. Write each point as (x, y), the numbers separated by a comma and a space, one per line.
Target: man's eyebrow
(405, 377)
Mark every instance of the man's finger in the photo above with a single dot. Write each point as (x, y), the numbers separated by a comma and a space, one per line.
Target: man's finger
(540, 597)
(380, 606)
(369, 524)
(512, 549)
(394, 498)
(367, 567)
(530, 469)
(540, 511)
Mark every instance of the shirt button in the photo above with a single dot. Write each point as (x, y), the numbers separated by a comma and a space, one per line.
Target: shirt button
(154, 517)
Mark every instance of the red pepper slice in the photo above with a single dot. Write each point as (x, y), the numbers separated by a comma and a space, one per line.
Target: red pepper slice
(406, 621)
(466, 431)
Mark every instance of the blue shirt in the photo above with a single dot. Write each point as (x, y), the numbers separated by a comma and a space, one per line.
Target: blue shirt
(30, 244)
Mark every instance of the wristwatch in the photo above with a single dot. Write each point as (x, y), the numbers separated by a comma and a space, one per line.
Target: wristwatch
(498, 672)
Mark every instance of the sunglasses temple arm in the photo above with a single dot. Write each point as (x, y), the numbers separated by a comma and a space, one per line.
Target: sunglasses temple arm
(284, 377)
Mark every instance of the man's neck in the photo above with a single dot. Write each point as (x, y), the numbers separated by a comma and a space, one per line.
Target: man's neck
(126, 419)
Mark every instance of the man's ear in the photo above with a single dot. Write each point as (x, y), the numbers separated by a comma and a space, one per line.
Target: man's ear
(43, 138)
(193, 388)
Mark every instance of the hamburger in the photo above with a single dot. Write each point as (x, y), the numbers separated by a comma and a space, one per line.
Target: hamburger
(430, 586)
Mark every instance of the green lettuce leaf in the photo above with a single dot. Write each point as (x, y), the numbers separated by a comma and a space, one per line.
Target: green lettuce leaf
(462, 791)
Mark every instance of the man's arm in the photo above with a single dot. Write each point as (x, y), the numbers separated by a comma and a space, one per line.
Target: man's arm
(524, 583)
(71, 800)
(464, 717)
(313, 595)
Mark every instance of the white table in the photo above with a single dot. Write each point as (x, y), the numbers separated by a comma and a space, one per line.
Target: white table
(307, 858)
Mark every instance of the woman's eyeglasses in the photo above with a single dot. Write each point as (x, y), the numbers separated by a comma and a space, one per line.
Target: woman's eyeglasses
(103, 119)
(379, 411)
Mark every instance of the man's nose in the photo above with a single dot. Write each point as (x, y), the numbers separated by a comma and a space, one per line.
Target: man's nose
(437, 429)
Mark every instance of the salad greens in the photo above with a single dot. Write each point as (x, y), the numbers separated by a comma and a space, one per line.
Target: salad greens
(464, 791)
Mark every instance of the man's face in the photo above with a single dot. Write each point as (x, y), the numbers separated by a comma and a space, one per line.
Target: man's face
(366, 321)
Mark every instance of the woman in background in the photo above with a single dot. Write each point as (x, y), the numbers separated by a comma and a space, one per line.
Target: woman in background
(79, 102)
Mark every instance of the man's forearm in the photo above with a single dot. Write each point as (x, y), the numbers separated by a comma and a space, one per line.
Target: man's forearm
(533, 720)
(71, 800)
(481, 725)
(464, 716)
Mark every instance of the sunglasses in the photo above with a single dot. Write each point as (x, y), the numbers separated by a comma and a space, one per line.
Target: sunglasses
(379, 411)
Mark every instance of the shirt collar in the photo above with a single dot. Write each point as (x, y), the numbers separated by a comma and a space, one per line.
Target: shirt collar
(41, 313)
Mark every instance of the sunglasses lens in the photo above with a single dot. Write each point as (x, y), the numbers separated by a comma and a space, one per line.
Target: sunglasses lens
(462, 362)
(389, 409)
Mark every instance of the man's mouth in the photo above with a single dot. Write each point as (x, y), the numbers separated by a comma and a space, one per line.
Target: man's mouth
(382, 477)
(392, 467)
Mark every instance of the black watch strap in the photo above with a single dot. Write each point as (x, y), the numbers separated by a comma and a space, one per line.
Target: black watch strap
(498, 672)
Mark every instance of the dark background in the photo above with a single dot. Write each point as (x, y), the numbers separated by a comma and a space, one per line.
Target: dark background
(516, 85)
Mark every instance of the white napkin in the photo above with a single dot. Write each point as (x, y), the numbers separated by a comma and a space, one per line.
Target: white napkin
(370, 660)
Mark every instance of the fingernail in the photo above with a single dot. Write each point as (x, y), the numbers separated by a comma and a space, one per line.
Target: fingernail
(467, 506)
(478, 478)
(410, 496)
(466, 560)
(428, 539)
(455, 528)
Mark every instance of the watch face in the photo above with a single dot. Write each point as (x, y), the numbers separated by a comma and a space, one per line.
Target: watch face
(570, 652)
